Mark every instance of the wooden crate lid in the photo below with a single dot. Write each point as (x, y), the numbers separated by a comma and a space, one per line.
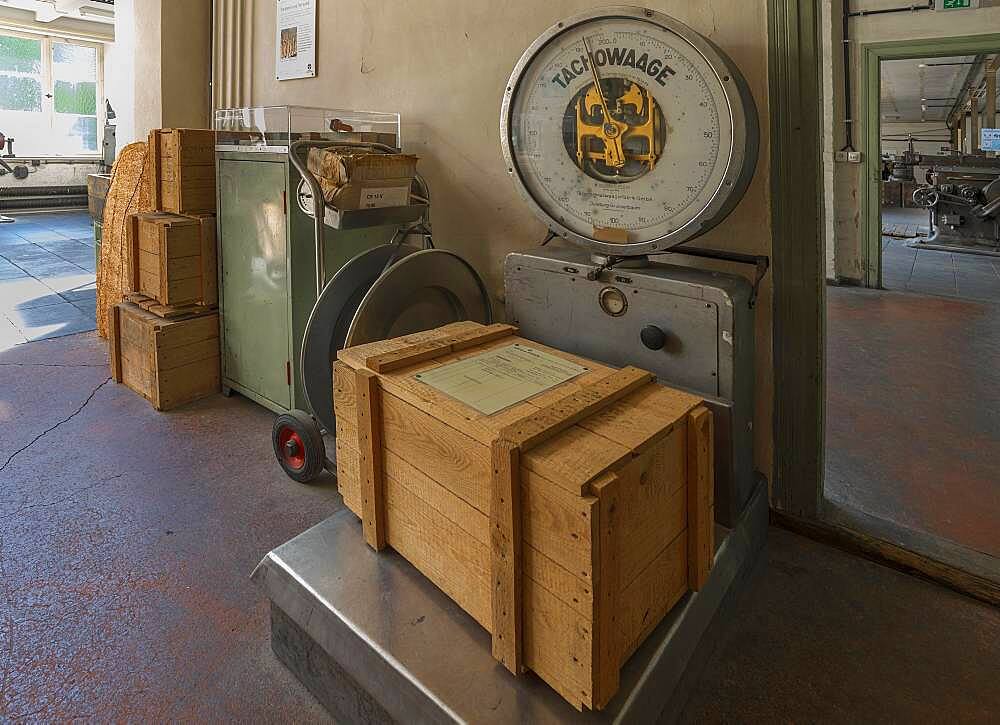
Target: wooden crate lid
(165, 218)
(642, 415)
(175, 332)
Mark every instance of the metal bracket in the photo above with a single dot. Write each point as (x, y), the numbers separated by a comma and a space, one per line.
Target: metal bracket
(761, 261)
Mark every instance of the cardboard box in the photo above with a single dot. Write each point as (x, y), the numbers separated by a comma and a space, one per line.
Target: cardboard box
(363, 180)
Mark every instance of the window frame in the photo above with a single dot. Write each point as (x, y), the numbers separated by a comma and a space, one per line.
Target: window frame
(48, 88)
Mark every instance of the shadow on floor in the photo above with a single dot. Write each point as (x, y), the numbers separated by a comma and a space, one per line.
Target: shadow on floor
(47, 276)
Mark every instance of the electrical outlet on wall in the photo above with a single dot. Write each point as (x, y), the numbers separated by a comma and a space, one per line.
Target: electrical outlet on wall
(848, 157)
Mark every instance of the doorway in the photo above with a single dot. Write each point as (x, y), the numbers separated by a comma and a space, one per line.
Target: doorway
(912, 387)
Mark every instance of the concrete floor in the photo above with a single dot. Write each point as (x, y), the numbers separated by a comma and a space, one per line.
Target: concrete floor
(127, 538)
(47, 266)
(913, 412)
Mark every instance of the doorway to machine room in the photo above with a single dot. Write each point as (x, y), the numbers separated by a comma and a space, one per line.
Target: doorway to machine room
(913, 389)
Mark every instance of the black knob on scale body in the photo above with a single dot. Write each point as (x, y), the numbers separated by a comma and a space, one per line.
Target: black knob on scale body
(653, 337)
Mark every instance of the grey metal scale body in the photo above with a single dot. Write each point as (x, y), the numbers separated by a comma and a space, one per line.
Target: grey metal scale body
(692, 328)
(366, 633)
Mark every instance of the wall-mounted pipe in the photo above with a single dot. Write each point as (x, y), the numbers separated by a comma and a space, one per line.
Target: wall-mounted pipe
(848, 93)
(929, 5)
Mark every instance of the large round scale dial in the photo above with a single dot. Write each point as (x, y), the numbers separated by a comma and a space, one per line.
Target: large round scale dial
(628, 132)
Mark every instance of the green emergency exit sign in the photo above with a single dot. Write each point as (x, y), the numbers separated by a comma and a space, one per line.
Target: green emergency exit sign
(958, 4)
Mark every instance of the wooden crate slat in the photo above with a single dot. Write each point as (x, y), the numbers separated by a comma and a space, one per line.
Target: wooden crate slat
(701, 483)
(429, 350)
(607, 647)
(505, 555)
(554, 419)
(370, 445)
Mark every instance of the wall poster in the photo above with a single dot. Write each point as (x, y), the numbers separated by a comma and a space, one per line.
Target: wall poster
(295, 41)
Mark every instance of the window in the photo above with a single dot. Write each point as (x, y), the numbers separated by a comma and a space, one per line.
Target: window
(51, 95)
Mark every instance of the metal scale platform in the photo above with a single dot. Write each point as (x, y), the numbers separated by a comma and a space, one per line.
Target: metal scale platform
(629, 135)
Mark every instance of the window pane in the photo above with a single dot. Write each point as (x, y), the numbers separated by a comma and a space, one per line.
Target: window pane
(74, 102)
(21, 55)
(72, 135)
(74, 76)
(20, 93)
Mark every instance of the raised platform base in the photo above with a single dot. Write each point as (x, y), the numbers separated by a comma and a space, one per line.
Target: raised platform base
(376, 642)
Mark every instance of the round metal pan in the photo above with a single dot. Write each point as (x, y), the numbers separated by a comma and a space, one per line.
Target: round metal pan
(326, 330)
(424, 290)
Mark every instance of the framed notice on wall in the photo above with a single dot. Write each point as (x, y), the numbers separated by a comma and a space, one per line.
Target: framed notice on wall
(295, 40)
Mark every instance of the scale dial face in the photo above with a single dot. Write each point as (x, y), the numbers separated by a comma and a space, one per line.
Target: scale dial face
(628, 132)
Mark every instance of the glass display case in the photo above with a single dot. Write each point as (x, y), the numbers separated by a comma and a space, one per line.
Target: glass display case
(271, 129)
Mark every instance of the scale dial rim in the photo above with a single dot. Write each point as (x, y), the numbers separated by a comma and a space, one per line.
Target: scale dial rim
(739, 100)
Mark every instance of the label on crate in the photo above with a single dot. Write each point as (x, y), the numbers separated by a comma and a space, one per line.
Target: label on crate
(497, 379)
(383, 197)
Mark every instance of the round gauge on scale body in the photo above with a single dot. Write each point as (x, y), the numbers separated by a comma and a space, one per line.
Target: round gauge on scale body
(627, 132)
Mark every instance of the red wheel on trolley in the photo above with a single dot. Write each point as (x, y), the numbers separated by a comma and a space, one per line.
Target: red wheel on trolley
(298, 445)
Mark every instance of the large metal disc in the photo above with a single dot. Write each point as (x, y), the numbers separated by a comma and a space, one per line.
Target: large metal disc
(685, 156)
(330, 320)
(424, 290)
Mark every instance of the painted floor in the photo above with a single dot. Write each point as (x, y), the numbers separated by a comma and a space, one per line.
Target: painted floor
(47, 271)
(127, 538)
(913, 412)
(933, 272)
(819, 636)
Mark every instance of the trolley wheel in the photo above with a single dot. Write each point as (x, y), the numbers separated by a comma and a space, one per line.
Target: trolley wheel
(298, 445)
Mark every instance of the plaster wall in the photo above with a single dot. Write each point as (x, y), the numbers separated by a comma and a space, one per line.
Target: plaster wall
(159, 68)
(843, 187)
(444, 65)
(186, 51)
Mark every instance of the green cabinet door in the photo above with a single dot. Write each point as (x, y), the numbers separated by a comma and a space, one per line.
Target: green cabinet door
(254, 280)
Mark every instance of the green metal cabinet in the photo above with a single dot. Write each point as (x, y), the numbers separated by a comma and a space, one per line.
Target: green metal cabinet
(267, 274)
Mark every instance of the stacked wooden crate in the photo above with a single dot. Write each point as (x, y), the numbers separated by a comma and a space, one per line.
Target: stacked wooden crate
(567, 525)
(165, 336)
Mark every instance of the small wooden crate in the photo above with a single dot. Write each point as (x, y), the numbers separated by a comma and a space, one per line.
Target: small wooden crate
(182, 170)
(567, 525)
(168, 362)
(172, 258)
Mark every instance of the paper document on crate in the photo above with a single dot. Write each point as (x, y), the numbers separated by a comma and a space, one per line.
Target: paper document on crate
(495, 380)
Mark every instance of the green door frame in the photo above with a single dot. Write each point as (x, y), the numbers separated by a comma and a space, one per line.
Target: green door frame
(872, 55)
(795, 89)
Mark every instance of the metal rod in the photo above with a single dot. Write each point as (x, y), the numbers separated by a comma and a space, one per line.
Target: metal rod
(848, 110)
(929, 5)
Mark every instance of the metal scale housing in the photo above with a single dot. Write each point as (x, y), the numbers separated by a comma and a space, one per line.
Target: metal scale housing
(699, 324)
(706, 320)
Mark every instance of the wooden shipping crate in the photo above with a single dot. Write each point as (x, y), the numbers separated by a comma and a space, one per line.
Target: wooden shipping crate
(567, 525)
(182, 170)
(168, 362)
(172, 258)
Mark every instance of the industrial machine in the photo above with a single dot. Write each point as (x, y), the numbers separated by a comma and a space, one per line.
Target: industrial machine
(961, 192)
(630, 135)
(964, 202)
(299, 280)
